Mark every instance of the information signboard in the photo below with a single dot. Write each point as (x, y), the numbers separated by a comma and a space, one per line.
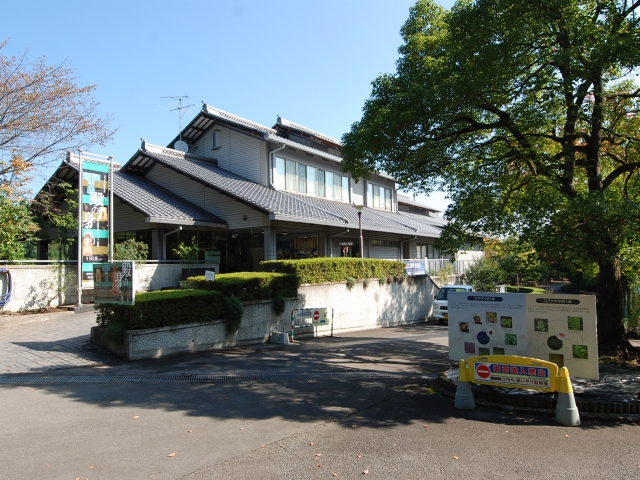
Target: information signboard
(313, 316)
(555, 328)
(514, 371)
(113, 283)
(414, 267)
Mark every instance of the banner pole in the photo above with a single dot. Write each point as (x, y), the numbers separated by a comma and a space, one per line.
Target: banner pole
(111, 181)
(79, 303)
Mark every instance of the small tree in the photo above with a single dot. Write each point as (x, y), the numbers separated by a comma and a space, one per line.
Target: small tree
(188, 252)
(16, 227)
(131, 250)
(484, 274)
(43, 113)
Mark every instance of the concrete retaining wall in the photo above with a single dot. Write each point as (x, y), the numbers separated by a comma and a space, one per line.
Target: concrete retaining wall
(36, 287)
(356, 308)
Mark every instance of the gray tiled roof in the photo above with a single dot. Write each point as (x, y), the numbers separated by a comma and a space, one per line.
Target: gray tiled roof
(158, 202)
(149, 198)
(293, 207)
(407, 200)
(258, 196)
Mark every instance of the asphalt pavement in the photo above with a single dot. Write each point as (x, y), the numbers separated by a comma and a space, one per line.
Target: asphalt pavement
(347, 407)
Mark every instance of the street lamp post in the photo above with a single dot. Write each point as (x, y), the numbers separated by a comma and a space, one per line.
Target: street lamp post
(359, 209)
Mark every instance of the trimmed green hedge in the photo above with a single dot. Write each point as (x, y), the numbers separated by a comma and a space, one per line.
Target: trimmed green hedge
(249, 286)
(323, 270)
(167, 309)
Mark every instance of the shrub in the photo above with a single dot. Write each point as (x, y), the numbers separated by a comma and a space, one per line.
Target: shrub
(382, 280)
(279, 304)
(248, 286)
(484, 274)
(169, 308)
(323, 270)
(351, 282)
(131, 250)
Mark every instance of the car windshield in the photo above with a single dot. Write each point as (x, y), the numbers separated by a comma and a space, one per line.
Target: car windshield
(442, 294)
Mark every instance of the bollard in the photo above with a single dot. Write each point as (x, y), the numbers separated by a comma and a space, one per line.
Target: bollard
(566, 411)
(464, 395)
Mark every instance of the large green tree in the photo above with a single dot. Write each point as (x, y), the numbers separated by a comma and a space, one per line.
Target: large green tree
(525, 113)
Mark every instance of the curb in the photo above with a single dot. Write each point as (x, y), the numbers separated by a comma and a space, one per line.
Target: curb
(539, 404)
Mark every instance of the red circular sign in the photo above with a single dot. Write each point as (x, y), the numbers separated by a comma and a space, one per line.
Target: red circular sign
(483, 371)
(316, 315)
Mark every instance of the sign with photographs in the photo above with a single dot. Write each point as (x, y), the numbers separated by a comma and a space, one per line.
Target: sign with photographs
(555, 328)
(113, 283)
(95, 216)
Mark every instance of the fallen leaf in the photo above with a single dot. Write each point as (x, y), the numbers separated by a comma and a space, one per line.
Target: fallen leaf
(334, 474)
(455, 457)
(365, 472)
(354, 426)
(358, 456)
(263, 446)
(311, 443)
(566, 436)
(48, 466)
(172, 455)
(189, 431)
(137, 416)
(318, 455)
(227, 398)
(634, 423)
(242, 429)
(506, 431)
(318, 465)
(426, 426)
(90, 466)
(394, 444)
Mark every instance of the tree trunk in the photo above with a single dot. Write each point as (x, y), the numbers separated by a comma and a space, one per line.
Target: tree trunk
(610, 307)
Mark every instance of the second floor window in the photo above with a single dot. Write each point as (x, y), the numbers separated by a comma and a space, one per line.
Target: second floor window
(292, 176)
(379, 197)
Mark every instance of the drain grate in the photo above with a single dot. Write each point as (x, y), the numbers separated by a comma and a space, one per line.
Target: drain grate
(53, 379)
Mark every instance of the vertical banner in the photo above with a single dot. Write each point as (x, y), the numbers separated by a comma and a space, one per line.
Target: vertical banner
(95, 216)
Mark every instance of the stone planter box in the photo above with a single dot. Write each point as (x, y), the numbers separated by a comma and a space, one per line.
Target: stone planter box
(361, 307)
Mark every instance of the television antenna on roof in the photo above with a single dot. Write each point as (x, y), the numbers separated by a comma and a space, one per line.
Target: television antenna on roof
(181, 109)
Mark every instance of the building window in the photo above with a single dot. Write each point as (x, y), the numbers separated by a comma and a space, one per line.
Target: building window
(215, 140)
(384, 243)
(292, 176)
(379, 197)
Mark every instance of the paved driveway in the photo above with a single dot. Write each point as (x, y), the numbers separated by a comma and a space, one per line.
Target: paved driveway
(61, 342)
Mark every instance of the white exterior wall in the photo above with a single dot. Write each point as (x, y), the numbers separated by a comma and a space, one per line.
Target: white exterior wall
(239, 153)
(358, 193)
(385, 253)
(126, 219)
(221, 205)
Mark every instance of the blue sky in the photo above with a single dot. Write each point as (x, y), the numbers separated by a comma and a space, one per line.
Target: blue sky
(312, 62)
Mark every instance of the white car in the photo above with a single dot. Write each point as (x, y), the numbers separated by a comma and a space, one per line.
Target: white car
(441, 304)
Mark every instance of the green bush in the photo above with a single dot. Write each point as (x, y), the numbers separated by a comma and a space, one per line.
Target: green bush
(484, 274)
(167, 309)
(279, 304)
(131, 250)
(323, 270)
(248, 286)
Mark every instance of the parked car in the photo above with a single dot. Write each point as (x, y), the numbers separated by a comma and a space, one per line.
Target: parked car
(441, 304)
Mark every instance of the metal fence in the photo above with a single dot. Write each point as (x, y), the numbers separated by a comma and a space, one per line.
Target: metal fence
(442, 266)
